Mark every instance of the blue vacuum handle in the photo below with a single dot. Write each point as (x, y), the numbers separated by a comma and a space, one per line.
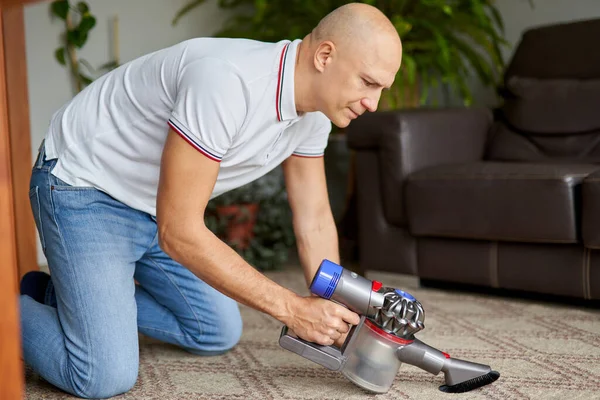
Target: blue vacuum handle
(359, 294)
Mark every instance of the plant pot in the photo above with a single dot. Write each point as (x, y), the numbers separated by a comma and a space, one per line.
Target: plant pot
(240, 223)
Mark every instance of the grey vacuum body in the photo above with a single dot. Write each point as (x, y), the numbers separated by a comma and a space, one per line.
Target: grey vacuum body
(384, 339)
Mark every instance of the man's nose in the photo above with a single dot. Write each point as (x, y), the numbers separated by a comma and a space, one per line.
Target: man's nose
(371, 103)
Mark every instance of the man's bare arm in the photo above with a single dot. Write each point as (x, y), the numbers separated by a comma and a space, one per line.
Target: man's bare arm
(186, 182)
(314, 225)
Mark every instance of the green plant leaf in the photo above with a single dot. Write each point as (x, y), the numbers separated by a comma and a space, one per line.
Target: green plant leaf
(185, 9)
(424, 93)
(260, 7)
(85, 79)
(429, 30)
(86, 24)
(59, 55)
(482, 69)
(87, 65)
(60, 8)
(232, 3)
(401, 25)
(109, 65)
(497, 18)
(411, 68)
(83, 8)
(76, 38)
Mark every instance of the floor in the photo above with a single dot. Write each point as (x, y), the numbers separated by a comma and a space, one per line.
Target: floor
(542, 351)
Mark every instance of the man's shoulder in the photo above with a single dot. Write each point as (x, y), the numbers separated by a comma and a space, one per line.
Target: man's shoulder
(252, 59)
(224, 44)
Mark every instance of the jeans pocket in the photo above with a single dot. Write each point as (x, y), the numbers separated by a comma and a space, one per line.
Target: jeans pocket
(34, 200)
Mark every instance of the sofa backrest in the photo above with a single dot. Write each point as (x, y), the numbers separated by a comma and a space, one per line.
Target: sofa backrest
(551, 107)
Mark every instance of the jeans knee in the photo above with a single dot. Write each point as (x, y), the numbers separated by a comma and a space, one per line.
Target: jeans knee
(220, 338)
(108, 380)
(231, 333)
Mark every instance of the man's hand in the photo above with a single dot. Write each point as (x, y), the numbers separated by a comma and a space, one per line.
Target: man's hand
(321, 321)
(339, 342)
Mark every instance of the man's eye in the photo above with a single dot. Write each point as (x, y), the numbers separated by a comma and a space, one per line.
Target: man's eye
(367, 83)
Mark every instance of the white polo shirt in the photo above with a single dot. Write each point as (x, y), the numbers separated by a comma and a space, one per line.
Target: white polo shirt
(231, 99)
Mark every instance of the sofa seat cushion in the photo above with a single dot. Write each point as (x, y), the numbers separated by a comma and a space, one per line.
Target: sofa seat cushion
(519, 202)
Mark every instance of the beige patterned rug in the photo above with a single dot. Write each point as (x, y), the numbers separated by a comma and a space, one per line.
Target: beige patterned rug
(542, 351)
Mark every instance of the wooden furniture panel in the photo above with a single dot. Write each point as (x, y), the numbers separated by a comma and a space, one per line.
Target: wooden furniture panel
(18, 244)
(11, 370)
(13, 26)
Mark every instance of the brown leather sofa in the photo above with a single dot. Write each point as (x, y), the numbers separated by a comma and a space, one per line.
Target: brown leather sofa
(508, 198)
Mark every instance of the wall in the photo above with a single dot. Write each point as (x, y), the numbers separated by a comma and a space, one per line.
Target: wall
(145, 26)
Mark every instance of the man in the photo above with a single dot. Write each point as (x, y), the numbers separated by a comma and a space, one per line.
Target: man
(126, 170)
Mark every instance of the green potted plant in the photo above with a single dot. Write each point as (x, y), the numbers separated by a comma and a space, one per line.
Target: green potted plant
(445, 41)
(79, 22)
(255, 220)
(233, 216)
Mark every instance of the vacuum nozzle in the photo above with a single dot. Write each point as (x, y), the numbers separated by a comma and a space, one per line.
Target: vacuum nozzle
(460, 375)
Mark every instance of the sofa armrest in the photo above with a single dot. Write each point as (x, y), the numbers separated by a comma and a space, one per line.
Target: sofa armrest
(410, 140)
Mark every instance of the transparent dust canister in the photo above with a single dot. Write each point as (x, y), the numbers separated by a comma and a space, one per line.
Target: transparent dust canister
(372, 362)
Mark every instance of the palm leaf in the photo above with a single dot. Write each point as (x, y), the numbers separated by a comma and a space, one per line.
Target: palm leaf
(186, 9)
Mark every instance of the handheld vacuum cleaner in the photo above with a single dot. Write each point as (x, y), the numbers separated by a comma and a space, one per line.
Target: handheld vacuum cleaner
(375, 349)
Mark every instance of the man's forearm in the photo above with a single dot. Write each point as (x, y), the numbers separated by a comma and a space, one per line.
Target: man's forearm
(218, 265)
(317, 240)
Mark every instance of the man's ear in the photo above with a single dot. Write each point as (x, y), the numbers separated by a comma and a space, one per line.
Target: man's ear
(324, 55)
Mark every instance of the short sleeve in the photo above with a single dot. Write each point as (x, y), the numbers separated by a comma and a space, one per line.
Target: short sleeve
(317, 138)
(210, 106)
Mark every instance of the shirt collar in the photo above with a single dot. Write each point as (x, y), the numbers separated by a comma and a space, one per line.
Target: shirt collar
(285, 102)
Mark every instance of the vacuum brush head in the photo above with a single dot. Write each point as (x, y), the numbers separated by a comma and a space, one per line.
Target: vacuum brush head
(471, 384)
(463, 376)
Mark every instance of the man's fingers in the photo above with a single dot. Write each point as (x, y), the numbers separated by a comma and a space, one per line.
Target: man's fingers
(326, 340)
(351, 317)
(334, 333)
(320, 338)
(347, 315)
(343, 327)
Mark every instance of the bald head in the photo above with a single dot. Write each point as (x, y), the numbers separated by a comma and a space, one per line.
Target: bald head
(354, 25)
(346, 61)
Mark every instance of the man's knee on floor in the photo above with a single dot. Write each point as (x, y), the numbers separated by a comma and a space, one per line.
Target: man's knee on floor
(107, 379)
(219, 339)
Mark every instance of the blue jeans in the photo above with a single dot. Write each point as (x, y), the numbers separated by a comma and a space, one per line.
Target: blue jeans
(96, 246)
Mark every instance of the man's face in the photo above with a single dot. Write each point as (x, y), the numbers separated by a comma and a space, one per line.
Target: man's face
(353, 81)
